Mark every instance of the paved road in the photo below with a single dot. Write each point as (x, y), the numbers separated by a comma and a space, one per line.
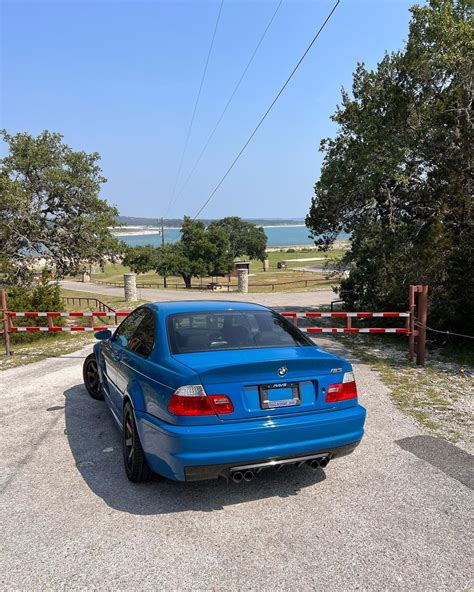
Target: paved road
(308, 298)
(390, 516)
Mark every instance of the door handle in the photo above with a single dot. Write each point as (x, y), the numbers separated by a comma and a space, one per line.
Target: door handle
(116, 357)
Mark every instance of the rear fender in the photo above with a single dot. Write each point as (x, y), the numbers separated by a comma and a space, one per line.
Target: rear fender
(135, 395)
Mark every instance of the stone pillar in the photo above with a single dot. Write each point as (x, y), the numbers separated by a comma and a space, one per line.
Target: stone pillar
(86, 277)
(266, 265)
(130, 286)
(242, 281)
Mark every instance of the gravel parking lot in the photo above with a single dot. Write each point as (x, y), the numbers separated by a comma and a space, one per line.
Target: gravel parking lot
(396, 514)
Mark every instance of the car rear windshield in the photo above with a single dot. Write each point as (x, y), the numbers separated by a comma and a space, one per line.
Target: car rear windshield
(221, 330)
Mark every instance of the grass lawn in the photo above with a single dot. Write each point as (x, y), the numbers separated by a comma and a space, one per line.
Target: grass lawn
(43, 346)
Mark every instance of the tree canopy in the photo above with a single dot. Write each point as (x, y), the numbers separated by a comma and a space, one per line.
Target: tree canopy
(245, 238)
(141, 258)
(50, 205)
(200, 251)
(398, 174)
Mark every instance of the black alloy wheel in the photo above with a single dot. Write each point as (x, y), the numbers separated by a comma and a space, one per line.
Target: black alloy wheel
(134, 460)
(90, 373)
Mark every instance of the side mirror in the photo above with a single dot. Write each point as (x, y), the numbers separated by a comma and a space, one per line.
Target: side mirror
(104, 334)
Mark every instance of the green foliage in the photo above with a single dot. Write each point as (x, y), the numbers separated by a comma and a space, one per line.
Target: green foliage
(50, 205)
(140, 259)
(200, 251)
(44, 296)
(171, 260)
(398, 175)
(245, 238)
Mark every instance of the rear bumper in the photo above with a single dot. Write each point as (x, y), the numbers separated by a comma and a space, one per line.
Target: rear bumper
(199, 473)
(190, 453)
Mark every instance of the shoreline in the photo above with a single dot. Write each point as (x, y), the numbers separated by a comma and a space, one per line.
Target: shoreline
(150, 230)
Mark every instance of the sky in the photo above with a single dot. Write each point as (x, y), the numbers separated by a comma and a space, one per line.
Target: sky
(120, 78)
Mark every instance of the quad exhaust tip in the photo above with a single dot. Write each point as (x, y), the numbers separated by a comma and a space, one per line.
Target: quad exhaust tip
(248, 474)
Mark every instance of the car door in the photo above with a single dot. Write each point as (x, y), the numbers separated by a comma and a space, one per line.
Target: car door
(133, 367)
(113, 356)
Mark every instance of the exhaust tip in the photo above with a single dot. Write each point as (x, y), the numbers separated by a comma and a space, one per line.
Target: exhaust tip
(237, 477)
(248, 476)
(324, 462)
(314, 464)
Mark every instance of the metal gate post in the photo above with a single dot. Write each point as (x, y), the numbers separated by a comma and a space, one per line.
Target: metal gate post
(411, 324)
(6, 324)
(422, 318)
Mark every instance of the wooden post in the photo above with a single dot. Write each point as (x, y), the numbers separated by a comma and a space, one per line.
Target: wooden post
(422, 318)
(6, 323)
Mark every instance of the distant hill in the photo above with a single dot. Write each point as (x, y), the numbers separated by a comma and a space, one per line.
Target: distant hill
(177, 222)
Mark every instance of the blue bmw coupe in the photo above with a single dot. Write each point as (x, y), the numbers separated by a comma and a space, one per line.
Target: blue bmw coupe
(207, 389)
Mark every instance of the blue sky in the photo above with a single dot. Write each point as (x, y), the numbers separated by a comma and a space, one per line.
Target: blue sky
(121, 78)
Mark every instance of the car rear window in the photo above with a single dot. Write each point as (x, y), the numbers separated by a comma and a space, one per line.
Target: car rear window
(221, 330)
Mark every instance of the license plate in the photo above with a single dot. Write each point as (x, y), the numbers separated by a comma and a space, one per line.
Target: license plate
(282, 394)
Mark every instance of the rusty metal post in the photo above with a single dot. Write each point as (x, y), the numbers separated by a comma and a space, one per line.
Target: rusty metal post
(411, 323)
(422, 318)
(6, 323)
(50, 323)
(349, 322)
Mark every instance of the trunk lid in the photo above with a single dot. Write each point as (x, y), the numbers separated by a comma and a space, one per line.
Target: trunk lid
(267, 382)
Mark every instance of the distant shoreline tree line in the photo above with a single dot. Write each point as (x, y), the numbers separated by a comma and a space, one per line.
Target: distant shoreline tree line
(178, 222)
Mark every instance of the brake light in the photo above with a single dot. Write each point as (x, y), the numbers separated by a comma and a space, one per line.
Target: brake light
(347, 389)
(193, 400)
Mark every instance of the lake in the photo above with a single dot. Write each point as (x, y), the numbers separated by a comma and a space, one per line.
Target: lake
(278, 236)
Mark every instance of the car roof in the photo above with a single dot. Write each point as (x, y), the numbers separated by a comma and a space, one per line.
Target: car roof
(203, 306)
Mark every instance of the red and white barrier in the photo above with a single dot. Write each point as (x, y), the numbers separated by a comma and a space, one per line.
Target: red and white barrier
(68, 314)
(56, 329)
(344, 315)
(292, 315)
(353, 330)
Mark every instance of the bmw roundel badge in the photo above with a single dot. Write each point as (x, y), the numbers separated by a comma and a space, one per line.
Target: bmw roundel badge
(282, 371)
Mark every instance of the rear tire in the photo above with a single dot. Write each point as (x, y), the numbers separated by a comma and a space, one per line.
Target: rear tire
(90, 374)
(134, 459)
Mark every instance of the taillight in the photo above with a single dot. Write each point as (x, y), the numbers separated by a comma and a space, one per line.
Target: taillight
(193, 400)
(347, 389)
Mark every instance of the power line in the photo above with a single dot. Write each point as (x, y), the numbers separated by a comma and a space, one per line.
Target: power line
(229, 101)
(195, 105)
(268, 110)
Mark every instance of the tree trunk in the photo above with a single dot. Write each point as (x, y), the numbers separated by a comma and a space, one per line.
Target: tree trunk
(187, 281)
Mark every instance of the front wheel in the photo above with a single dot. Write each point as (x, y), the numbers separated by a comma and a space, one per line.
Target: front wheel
(134, 459)
(90, 373)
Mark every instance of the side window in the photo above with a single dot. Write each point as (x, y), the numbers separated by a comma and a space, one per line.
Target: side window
(143, 339)
(128, 327)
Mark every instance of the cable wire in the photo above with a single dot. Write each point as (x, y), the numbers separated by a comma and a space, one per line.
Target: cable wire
(418, 324)
(229, 101)
(195, 106)
(313, 41)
